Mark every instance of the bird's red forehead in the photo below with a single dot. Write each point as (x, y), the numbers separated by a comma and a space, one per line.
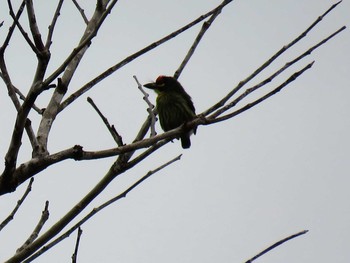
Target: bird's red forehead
(160, 79)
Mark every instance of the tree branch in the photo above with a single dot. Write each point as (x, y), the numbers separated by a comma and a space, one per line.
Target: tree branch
(137, 54)
(278, 243)
(100, 208)
(200, 35)
(151, 110)
(44, 216)
(268, 62)
(271, 77)
(81, 11)
(53, 24)
(19, 203)
(75, 254)
(117, 138)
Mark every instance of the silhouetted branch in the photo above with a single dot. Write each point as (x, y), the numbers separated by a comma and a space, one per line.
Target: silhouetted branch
(203, 30)
(75, 254)
(151, 110)
(267, 63)
(117, 138)
(23, 32)
(53, 24)
(271, 77)
(44, 216)
(137, 54)
(98, 209)
(261, 99)
(276, 245)
(34, 27)
(81, 11)
(19, 203)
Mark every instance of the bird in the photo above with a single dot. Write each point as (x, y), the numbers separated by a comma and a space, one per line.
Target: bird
(174, 106)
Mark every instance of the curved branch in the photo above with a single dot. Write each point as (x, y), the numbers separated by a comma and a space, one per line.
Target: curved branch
(137, 54)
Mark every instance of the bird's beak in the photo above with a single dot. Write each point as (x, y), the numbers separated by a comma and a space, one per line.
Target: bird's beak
(150, 85)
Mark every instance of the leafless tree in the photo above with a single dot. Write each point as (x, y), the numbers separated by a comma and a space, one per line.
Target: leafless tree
(127, 156)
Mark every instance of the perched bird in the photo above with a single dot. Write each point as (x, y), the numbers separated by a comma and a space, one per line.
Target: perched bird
(174, 105)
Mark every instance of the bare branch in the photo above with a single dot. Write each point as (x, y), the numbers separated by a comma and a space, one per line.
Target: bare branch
(200, 35)
(99, 208)
(151, 111)
(267, 63)
(34, 26)
(22, 97)
(261, 99)
(12, 28)
(23, 32)
(278, 243)
(271, 77)
(19, 203)
(75, 254)
(53, 24)
(69, 67)
(44, 216)
(81, 11)
(90, 33)
(137, 54)
(117, 138)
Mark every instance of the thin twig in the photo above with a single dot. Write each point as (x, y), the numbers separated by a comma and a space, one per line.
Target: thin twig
(98, 209)
(12, 27)
(117, 138)
(44, 216)
(278, 243)
(261, 99)
(22, 97)
(267, 63)
(19, 203)
(85, 41)
(53, 24)
(23, 32)
(274, 75)
(200, 35)
(150, 109)
(81, 11)
(137, 54)
(34, 26)
(75, 254)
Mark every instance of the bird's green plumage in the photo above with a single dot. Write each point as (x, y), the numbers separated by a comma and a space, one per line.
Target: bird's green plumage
(174, 105)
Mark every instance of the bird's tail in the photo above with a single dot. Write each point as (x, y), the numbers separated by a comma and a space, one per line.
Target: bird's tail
(185, 141)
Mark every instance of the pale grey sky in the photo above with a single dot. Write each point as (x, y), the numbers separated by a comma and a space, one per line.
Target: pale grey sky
(275, 170)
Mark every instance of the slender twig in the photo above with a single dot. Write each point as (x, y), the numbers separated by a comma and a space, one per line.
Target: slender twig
(96, 210)
(44, 216)
(278, 243)
(12, 28)
(22, 97)
(274, 75)
(261, 99)
(53, 24)
(75, 254)
(34, 26)
(69, 67)
(81, 11)
(268, 62)
(117, 138)
(200, 35)
(19, 203)
(150, 108)
(132, 57)
(23, 32)
(85, 41)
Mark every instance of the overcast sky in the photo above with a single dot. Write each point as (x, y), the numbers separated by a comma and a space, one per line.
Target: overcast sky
(273, 171)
